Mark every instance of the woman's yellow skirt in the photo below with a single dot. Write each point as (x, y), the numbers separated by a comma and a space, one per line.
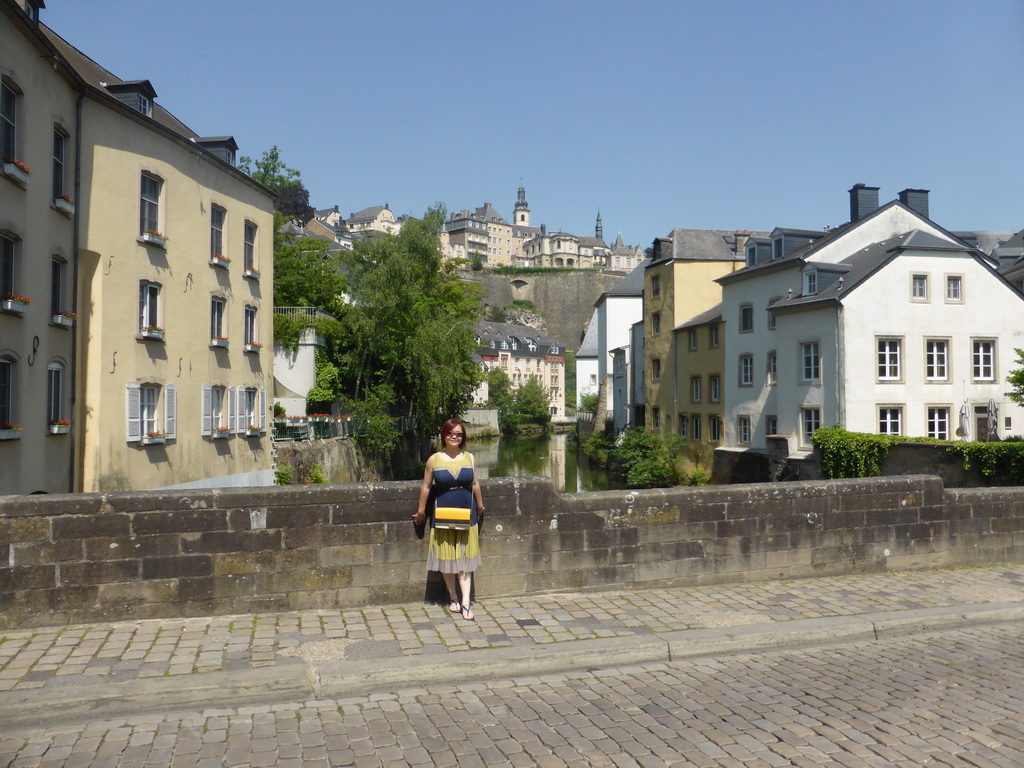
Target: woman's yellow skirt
(452, 551)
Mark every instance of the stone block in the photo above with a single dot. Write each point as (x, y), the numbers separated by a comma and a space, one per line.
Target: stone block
(787, 559)
(399, 553)
(46, 553)
(177, 566)
(238, 563)
(108, 548)
(100, 572)
(574, 559)
(179, 521)
(93, 526)
(138, 593)
(72, 597)
(31, 577)
(727, 529)
(582, 521)
(345, 556)
(311, 581)
(680, 550)
(763, 543)
(230, 541)
(703, 512)
(24, 529)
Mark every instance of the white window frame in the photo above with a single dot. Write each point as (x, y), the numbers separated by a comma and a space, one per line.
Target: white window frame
(919, 289)
(695, 426)
(9, 266)
(8, 121)
(695, 388)
(149, 305)
(954, 289)
(715, 430)
(772, 368)
(890, 420)
(771, 425)
(889, 359)
(251, 326)
(811, 282)
(150, 191)
(810, 422)
(249, 235)
(714, 336)
(743, 431)
(715, 383)
(58, 285)
(810, 362)
(655, 368)
(59, 153)
(217, 307)
(746, 370)
(656, 418)
(937, 421)
(936, 360)
(144, 404)
(983, 360)
(54, 391)
(684, 425)
(693, 339)
(8, 385)
(218, 216)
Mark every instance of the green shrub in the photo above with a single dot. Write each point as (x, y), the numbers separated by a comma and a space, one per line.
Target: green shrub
(283, 475)
(315, 475)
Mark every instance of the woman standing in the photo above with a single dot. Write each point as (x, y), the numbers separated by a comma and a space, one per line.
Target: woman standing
(451, 472)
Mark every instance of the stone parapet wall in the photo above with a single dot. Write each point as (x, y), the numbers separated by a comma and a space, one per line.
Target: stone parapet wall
(92, 557)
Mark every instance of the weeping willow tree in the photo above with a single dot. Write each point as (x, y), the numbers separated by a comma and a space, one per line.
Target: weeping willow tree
(406, 336)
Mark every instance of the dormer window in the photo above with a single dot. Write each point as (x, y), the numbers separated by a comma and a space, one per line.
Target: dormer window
(811, 283)
(752, 256)
(223, 147)
(32, 9)
(776, 249)
(137, 94)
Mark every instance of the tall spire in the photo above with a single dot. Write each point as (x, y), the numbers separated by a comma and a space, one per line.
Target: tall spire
(522, 210)
(599, 230)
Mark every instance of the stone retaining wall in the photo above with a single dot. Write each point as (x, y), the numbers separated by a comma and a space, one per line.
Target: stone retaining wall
(91, 557)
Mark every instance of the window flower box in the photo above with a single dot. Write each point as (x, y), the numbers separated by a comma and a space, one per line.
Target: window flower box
(14, 305)
(63, 319)
(154, 238)
(252, 431)
(219, 341)
(10, 431)
(253, 347)
(59, 426)
(251, 273)
(17, 170)
(154, 438)
(152, 332)
(217, 260)
(221, 433)
(65, 205)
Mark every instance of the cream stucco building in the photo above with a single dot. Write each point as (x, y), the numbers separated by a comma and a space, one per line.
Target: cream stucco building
(38, 135)
(163, 249)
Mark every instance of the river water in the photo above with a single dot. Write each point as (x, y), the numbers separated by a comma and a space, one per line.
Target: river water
(551, 455)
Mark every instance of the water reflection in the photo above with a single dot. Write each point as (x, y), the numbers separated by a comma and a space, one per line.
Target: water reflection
(551, 455)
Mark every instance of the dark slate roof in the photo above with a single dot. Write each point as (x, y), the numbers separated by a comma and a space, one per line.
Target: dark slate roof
(589, 347)
(593, 242)
(1014, 271)
(488, 213)
(631, 285)
(488, 330)
(861, 265)
(99, 78)
(707, 317)
(986, 240)
(367, 214)
(1011, 250)
(703, 245)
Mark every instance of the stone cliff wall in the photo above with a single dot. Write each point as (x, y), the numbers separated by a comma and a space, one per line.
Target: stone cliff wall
(92, 557)
(565, 299)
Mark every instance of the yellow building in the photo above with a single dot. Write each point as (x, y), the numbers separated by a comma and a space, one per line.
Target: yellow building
(698, 361)
(38, 134)
(175, 291)
(679, 285)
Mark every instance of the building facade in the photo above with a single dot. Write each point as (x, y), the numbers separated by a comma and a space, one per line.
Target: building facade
(39, 132)
(523, 353)
(173, 292)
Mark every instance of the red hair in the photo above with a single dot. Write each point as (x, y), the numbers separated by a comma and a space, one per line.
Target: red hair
(449, 426)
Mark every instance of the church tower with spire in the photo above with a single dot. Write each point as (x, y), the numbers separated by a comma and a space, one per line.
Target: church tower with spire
(522, 211)
(599, 230)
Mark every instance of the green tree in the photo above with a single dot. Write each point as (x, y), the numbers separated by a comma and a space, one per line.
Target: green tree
(570, 378)
(1016, 380)
(308, 274)
(407, 334)
(292, 196)
(532, 403)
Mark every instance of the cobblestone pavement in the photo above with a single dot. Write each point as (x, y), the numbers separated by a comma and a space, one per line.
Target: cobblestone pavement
(944, 699)
(51, 658)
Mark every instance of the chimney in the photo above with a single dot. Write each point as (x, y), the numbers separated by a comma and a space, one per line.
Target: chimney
(916, 200)
(741, 240)
(863, 201)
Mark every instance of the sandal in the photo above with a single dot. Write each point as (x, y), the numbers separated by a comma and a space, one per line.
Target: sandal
(455, 607)
(467, 612)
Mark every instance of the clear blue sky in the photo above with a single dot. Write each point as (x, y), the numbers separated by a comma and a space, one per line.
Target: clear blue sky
(731, 114)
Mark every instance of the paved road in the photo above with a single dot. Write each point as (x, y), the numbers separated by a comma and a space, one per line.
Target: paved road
(953, 698)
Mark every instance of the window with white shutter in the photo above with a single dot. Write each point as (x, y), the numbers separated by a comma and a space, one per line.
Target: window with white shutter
(134, 412)
(232, 403)
(263, 410)
(207, 409)
(171, 411)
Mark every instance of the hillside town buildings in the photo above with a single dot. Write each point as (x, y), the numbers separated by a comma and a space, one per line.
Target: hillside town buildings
(522, 353)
